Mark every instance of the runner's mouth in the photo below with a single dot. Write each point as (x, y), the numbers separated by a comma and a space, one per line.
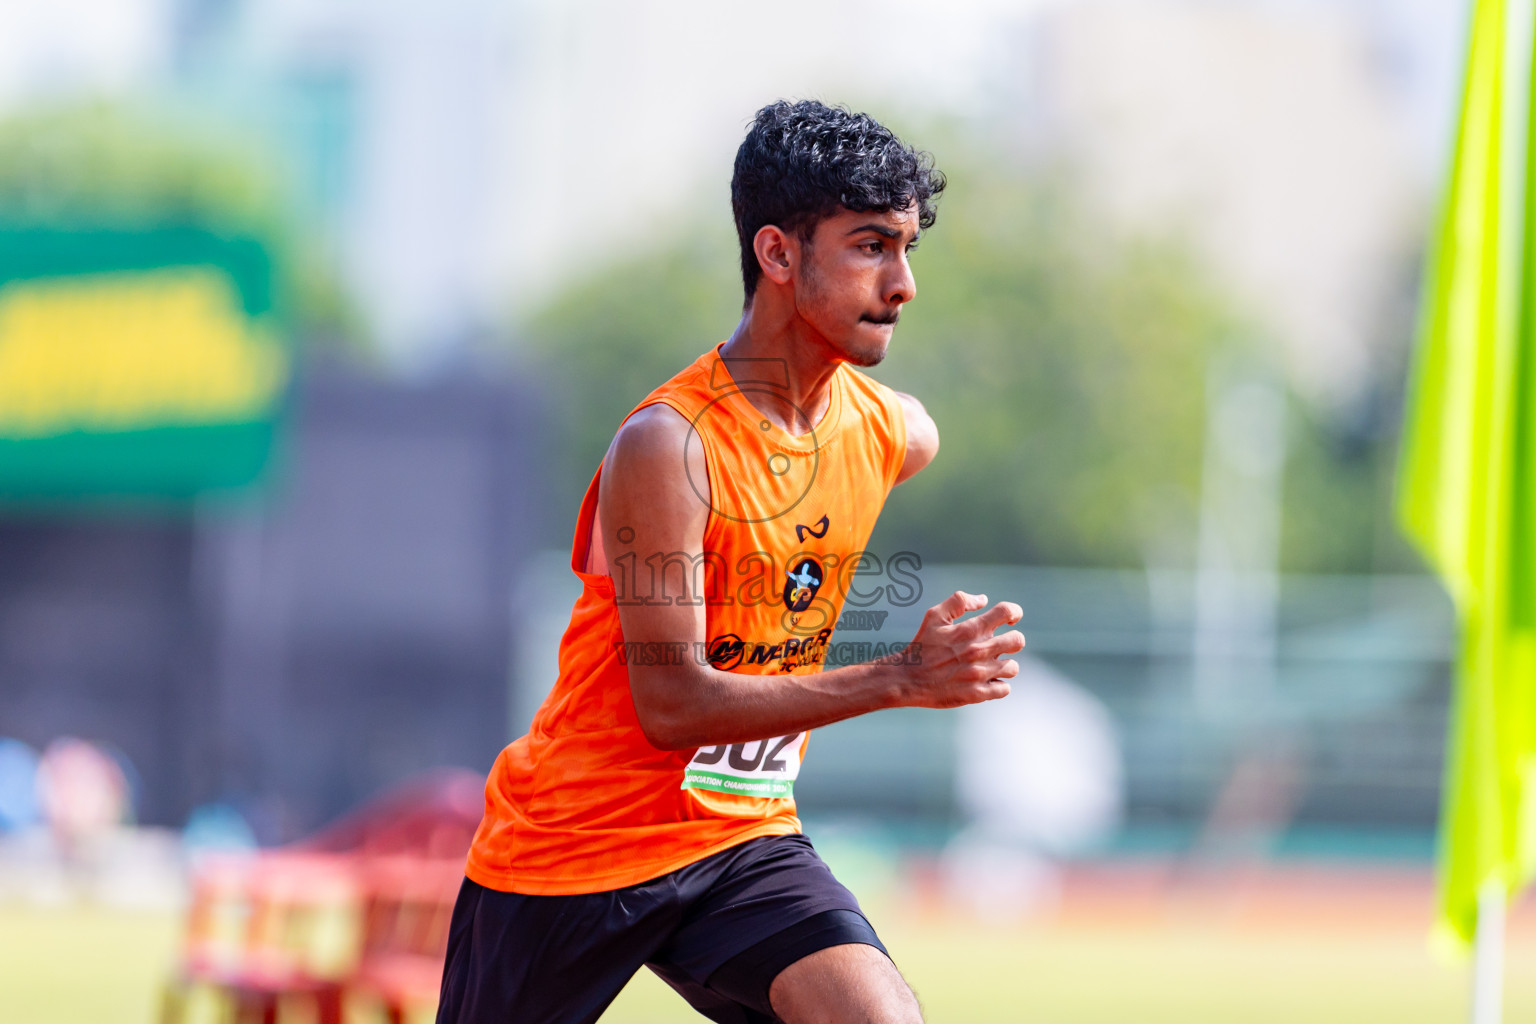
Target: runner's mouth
(889, 318)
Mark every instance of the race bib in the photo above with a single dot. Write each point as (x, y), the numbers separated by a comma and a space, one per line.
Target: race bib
(765, 768)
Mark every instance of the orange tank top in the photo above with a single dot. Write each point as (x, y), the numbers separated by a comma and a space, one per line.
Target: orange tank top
(583, 803)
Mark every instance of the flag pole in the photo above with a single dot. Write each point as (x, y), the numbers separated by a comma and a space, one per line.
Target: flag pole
(1488, 955)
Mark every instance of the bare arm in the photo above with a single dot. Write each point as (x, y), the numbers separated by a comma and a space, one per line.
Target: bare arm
(646, 504)
(922, 437)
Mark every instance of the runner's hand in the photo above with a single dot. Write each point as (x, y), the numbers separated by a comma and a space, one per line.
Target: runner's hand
(959, 661)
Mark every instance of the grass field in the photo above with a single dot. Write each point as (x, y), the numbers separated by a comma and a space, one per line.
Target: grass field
(1179, 974)
(1316, 949)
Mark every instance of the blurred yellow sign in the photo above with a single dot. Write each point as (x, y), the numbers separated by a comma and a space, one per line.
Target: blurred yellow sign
(137, 364)
(129, 350)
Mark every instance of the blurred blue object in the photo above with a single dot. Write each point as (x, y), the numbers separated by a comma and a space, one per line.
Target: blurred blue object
(217, 828)
(18, 785)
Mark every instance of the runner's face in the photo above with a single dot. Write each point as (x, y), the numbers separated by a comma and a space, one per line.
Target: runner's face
(855, 278)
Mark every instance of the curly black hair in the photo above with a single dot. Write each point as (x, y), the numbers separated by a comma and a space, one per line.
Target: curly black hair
(801, 161)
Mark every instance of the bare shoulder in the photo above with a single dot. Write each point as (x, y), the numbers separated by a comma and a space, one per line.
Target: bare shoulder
(922, 436)
(917, 417)
(651, 466)
(911, 405)
(655, 432)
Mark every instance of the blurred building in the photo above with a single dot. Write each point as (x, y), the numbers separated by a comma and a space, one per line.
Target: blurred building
(297, 657)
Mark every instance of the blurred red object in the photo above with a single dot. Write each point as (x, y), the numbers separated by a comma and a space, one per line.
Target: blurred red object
(410, 901)
(354, 916)
(434, 816)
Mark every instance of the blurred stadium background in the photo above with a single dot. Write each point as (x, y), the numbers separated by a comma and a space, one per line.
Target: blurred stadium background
(315, 319)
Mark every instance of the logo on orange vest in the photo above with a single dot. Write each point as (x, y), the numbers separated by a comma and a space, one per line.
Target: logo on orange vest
(801, 586)
(818, 531)
(725, 652)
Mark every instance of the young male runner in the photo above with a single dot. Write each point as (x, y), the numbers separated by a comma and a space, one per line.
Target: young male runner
(648, 818)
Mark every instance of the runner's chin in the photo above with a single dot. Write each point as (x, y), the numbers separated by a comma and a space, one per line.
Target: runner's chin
(869, 343)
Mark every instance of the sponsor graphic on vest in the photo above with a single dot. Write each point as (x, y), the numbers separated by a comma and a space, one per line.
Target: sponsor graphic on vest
(802, 583)
(728, 650)
(725, 652)
(818, 531)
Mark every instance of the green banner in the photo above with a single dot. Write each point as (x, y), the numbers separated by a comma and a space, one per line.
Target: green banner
(136, 363)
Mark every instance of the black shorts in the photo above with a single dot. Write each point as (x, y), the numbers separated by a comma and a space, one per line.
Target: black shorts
(718, 931)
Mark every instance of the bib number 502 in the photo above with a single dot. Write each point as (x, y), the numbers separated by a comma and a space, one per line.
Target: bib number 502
(760, 768)
(764, 755)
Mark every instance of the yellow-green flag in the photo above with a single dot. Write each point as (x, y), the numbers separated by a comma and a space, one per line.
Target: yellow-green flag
(1469, 465)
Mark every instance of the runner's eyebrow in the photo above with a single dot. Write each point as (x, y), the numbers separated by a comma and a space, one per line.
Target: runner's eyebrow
(881, 230)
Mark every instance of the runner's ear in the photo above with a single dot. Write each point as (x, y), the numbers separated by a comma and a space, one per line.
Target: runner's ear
(776, 253)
